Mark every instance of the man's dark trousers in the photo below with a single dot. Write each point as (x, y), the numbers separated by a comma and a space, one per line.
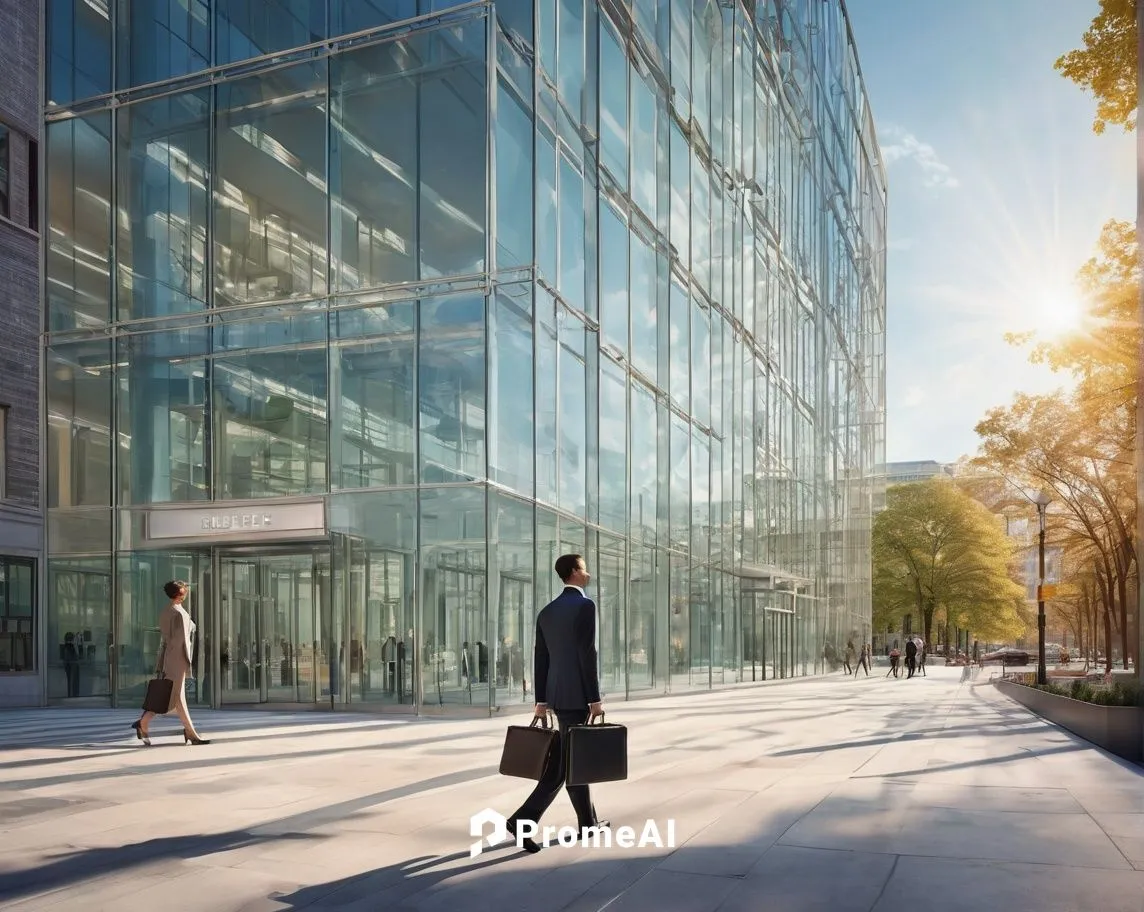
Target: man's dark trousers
(549, 787)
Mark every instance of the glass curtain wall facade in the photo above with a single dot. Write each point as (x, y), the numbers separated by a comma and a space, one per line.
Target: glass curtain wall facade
(359, 313)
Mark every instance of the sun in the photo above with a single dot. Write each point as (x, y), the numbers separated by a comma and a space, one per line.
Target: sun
(1058, 313)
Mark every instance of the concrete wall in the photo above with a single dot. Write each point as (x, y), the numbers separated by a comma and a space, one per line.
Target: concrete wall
(20, 507)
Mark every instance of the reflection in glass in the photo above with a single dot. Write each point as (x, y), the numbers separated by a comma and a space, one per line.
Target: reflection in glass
(644, 460)
(452, 146)
(613, 278)
(374, 565)
(373, 369)
(545, 400)
(613, 445)
(79, 397)
(162, 408)
(572, 418)
(162, 198)
(373, 163)
(347, 16)
(613, 105)
(512, 542)
(510, 351)
(245, 29)
(78, 50)
(451, 372)
(270, 422)
(514, 145)
(572, 228)
(78, 269)
(645, 312)
(454, 654)
(546, 231)
(609, 584)
(161, 39)
(79, 640)
(270, 186)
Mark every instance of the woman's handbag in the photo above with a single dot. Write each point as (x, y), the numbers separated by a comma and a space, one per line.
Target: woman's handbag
(157, 699)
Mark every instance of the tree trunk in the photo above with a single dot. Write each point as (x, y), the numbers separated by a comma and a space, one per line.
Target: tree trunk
(1122, 593)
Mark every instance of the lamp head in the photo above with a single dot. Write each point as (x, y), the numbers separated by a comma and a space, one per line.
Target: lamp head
(1042, 500)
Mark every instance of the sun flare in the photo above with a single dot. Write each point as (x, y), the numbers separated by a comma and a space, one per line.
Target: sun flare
(1058, 313)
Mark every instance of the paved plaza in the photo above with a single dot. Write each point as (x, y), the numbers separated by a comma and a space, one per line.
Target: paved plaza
(837, 794)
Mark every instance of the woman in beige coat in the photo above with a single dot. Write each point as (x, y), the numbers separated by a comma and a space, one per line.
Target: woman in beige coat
(175, 654)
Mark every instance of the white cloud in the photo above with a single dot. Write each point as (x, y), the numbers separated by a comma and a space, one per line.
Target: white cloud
(902, 244)
(902, 145)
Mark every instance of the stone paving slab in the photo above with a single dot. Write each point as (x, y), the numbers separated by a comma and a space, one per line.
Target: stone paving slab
(830, 794)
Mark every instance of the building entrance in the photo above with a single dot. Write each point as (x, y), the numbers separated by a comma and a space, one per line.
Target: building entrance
(274, 625)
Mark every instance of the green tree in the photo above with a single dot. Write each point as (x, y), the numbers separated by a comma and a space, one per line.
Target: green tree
(1106, 65)
(936, 549)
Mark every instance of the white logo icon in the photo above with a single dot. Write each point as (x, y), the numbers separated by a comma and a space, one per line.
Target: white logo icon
(477, 828)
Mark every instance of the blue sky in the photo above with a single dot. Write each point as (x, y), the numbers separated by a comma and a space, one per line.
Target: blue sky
(998, 191)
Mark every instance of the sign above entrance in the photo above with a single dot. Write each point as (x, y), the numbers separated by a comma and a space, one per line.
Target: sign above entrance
(240, 521)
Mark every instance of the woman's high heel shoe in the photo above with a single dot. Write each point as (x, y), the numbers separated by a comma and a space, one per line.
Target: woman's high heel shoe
(188, 739)
(146, 739)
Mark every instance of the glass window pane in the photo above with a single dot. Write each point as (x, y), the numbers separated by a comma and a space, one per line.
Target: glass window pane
(270, 422)
(79, 627)
(644, 437)
(453, 652)
(514, 549)
(572, 418)
(680, 484)
(511, 355)
(79, 398)
(270, 186)
(514, 148)
(545, 401)
(546, 233)
(571, 59)
(453, 146)
(372, 366)
(680, 196)
(79, 50)
(645, 142)
(645, 329)
(679, 347)
(162, 39)
(613, 278)
(572, 228)
(163, 174)
(373, 164)
(162, 417)
(613, 445)
(451, 369)
(252, 28)
(79, 222)
(701, 363)
(347, 16)
(609, 578)
(546, 29)
(614, 105)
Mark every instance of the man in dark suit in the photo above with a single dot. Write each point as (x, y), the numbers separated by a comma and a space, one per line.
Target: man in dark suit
(566, 682)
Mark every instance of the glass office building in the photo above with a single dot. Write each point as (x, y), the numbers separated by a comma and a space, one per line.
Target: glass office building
(360, 312)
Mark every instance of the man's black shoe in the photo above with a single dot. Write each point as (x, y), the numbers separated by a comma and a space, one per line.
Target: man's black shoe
(527, 844)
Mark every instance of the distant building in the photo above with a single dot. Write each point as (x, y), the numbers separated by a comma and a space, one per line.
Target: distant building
(920, 470)
(20, 519)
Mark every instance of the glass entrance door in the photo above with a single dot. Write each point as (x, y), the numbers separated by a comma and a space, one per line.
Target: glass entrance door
(271, 612)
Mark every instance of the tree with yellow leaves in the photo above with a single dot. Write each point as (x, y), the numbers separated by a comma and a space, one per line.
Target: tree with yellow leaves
(937, 551)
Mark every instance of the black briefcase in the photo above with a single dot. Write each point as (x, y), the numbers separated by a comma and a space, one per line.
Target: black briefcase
(157, 699)
(528, 749)
(597, 752)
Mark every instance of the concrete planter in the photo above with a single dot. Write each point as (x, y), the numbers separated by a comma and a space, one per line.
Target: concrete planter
(1118, 729)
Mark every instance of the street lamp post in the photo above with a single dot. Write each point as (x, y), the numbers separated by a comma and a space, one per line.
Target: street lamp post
(1042, 502)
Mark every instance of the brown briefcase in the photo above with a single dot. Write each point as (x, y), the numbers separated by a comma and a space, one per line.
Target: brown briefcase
(528, 749)
(597, 753)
